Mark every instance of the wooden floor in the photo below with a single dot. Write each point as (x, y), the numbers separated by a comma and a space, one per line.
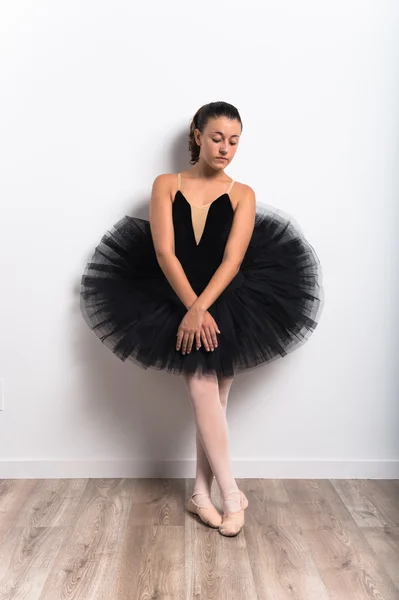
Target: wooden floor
(119, 539)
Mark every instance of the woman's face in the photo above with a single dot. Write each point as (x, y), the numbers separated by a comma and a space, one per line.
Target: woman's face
(219, 140)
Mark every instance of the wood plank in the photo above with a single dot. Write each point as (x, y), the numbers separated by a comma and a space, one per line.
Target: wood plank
(348, 566)
(87, 564)
(385, 543)
(364, 500)
(314, 503)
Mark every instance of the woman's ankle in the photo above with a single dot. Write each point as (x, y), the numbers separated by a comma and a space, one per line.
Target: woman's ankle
(202, 499)
(230, 493)
(231, 501)
(202, 487)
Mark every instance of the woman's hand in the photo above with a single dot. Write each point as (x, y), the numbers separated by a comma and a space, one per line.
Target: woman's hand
(208, 332)
(189, 328)
(196, 324)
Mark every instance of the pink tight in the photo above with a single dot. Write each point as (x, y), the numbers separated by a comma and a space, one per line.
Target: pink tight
(208, 396)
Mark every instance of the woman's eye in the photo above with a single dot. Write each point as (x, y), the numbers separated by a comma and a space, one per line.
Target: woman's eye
(217, 141)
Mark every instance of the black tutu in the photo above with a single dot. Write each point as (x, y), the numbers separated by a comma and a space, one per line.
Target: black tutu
(269, 309)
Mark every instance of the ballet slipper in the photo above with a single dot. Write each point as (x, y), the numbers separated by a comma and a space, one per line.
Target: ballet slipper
(233, 522)
(209, 515)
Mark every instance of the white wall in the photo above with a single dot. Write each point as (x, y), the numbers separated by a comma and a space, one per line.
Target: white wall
(96, 100)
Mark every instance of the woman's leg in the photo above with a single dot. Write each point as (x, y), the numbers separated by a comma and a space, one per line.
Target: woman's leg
(204, 474)
(211, 422)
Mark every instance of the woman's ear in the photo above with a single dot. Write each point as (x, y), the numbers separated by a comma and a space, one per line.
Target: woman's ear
(197, 135)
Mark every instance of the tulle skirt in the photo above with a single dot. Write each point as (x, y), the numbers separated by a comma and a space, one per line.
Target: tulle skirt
(129, 304)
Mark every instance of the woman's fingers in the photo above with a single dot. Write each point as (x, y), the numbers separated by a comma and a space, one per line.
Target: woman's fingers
(203, 339)
(210, 344)
(208, 338)
(187, 341)
(213, 336)
(180, 334)
(191, 337)
(198, 339)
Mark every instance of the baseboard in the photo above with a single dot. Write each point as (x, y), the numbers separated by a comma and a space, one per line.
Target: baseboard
(245, 468)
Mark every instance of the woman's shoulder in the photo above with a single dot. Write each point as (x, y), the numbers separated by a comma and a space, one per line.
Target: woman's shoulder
(244, 188)
(164, 183)
(165, 178)
(242, 193)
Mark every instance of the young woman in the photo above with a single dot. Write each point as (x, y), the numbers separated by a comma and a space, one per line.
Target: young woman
(210, 286)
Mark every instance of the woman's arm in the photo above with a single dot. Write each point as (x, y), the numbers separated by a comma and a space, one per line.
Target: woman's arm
(236, 247)
(162, 231)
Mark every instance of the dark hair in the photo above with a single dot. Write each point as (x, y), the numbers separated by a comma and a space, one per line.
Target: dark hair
(213, 110)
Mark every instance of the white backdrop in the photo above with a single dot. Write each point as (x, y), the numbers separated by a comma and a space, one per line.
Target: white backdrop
(96, 100)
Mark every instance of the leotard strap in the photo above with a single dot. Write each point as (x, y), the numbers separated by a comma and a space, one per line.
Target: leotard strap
(230, 186)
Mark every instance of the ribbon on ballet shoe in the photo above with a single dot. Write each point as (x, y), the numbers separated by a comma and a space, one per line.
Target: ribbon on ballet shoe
(238, 502)
(233, 522)
(209, 515)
